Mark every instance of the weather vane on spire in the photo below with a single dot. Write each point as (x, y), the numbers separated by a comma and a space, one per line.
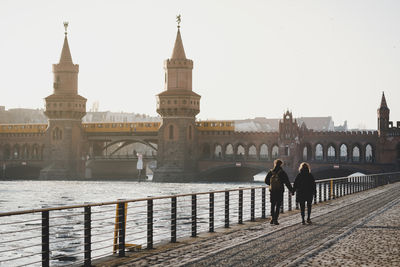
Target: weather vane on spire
(66, 27)
(178, 20)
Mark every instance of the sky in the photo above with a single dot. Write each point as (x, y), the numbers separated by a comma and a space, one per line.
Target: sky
(251, 58)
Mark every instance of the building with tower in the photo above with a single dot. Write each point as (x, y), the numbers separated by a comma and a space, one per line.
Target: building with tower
(64, 109)
(178, 106)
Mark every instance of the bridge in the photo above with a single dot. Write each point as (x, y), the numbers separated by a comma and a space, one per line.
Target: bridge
(181, 148)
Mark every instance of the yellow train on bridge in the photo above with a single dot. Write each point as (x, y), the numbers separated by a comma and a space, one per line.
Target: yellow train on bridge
(23, 128)
(111, 127)
(120, 127)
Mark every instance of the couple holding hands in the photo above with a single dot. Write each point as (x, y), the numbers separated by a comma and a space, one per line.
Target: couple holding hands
(304, 186)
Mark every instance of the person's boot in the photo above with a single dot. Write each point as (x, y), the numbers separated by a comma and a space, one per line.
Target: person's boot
(309, 221)
(272, 220)
(303, 222)
(276, 221)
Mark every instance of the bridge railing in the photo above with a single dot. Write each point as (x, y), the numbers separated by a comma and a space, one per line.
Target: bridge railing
(81, 234)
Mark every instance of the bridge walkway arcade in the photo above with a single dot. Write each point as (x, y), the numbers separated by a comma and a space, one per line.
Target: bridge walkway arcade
(359, 229)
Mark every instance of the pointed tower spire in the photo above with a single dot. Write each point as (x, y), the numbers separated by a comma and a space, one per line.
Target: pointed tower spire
(383, 116)
(65, 53)
(179, 51)
(383, 101)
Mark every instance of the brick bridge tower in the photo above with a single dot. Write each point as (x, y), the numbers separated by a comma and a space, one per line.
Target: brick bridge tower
(178, 106)
(288, 140)
(383, 116)
(64, 109)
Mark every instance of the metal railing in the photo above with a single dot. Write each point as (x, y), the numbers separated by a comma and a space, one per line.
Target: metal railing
(80, 234)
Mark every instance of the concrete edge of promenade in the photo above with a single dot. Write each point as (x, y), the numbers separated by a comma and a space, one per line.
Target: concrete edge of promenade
(259, 228)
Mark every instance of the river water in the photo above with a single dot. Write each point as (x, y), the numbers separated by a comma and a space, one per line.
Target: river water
(29, 194)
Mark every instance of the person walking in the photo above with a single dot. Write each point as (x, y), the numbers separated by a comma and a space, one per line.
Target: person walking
(276, 178)
(305, 188)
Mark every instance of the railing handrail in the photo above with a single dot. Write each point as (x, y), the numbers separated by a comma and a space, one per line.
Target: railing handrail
(2, 214)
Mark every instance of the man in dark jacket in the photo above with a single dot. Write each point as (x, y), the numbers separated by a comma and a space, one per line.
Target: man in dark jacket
(277, 174)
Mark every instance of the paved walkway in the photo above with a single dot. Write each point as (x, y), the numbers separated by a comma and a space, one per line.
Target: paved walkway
(357, 230)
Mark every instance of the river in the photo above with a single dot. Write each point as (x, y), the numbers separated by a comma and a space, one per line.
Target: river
(32, 194)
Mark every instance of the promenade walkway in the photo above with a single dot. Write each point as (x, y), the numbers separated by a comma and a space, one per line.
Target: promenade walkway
(362, 229)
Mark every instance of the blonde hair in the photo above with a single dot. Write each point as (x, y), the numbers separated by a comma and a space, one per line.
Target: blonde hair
(304, 165)
(278, 163)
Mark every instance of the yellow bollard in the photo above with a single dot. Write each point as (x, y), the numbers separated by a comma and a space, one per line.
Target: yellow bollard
(116, 232)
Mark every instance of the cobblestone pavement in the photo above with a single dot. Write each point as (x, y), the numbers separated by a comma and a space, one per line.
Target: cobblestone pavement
(346, 231)
(374, 241)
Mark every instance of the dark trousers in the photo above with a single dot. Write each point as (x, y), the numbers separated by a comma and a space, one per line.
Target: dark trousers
(303, 207)
(275, 208)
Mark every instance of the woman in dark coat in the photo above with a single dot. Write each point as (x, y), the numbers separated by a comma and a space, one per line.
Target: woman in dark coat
(305, 188)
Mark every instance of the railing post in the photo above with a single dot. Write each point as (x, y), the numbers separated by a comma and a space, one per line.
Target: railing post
(337, 182)
(121, 229)
(253, 204)
(263, 203)
(330, 190)
(282, 205)
(173, 219)
(324, 191)
(194, 215)
(240, 213)
(45, 239)
(289, 201)
(320, 192)
(211, 213)
(88, 237)
(226, 209)
(149, 224)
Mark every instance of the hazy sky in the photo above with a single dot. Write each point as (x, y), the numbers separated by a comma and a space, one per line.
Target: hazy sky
(251, 58)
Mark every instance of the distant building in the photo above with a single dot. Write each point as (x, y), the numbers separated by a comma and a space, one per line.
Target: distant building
(261, 124)
(25, 115)
(22, 115)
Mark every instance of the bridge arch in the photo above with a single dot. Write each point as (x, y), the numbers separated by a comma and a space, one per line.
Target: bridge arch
(274, 152)
(228, 151)
(25, 151)
(319, 152)
(263, 151)
(369, 155)
(240, 151)
(35, 151)
(356, 153)
(306, 152)
(16, 151)
(218, 151)
(331, 152)
(252, 151)
(123, 143)
(343, 152)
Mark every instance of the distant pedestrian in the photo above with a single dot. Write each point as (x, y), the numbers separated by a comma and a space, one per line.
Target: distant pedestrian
(275, 179)
(305, 188)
